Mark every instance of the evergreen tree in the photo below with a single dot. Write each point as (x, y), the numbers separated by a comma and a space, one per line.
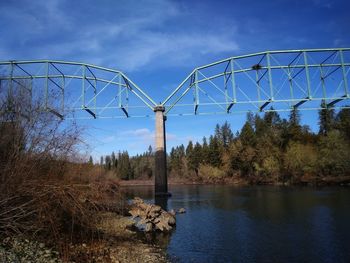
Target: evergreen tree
(108, 162)
(177, 158)
(343, 122)
(214, 152)
(125, 171)
(194, 158)
(150, 151)
(326, 119)
(205, 152)
(272, 118)
(113, 161)
(217, 132)
(226, 135)
(247, 135)
(251, 118)
(294, 117)
(189, 148)
(294, 127)
(91, 161)
(260, 126)
(101, 161)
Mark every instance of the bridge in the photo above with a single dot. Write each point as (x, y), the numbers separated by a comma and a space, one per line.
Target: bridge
(261, 82)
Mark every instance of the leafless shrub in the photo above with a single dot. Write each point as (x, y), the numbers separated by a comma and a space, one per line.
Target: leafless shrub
(42, 192)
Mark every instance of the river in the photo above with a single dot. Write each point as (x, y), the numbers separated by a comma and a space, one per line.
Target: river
(256, 223)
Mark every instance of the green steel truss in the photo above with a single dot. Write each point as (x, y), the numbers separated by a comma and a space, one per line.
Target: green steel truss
(75, 90)
(265, 81)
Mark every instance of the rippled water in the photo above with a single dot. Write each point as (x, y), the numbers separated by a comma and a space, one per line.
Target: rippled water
(257, 224)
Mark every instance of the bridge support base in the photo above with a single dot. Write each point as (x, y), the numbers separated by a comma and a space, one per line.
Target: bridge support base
(160, 174)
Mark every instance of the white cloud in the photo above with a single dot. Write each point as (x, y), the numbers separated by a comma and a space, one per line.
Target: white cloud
(129, 35)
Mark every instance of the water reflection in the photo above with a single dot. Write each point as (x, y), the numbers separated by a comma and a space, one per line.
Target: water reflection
(257, 224)
(162, 201)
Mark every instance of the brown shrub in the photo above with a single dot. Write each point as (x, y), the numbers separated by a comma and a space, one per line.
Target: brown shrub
(43, 193)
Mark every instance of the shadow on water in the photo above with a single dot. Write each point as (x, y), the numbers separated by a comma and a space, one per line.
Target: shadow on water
(162, 201)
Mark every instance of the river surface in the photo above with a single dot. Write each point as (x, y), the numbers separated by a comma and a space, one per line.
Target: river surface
(256, 224)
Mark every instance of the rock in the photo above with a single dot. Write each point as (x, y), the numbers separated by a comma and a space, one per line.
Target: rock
(151, 217)
(172, 212)
(182, 210)
(148, 227)
(172, 221)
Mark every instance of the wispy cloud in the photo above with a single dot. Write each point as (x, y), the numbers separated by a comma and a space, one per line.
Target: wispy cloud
(129, 35)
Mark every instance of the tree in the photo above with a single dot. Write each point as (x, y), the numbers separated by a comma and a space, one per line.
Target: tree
(343, 122)
(124, 169)
(108, 162)
(259, 124)
(205, 152)
(272, 118)
(247, 135)
(113, 161)
(326, 119)
(294, 117)
(189, 148)
(294, 127)
(91, 161)
(226, 135)
(214, 152)
(300, 159)
(194, 158)
(177, 160)
(334, 154)
(150, 150)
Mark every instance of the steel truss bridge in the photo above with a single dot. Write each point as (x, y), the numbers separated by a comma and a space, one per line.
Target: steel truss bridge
(260, 82)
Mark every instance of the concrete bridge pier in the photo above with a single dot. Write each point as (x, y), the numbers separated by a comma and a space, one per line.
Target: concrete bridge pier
(161, 180)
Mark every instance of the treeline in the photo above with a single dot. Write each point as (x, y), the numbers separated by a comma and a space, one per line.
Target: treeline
(268, 149)
(125, 167)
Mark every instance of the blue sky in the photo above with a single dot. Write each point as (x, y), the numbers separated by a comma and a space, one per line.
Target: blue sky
(158, 43)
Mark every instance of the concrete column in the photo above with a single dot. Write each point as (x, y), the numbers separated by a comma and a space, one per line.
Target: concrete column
(161, 180)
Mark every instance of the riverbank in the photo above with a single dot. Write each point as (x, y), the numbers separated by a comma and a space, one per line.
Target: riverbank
(305, 180)
(116, 243)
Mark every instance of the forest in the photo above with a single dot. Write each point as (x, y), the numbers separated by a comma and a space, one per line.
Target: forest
(267, 150)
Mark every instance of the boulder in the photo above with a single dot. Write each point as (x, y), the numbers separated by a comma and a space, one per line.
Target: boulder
(172, 212)
(151, 217)
(182, 210)
(148, 227)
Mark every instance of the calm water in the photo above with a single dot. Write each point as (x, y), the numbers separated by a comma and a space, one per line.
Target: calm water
(257, 224)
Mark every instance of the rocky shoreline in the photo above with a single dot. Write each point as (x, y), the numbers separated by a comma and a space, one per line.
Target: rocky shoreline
(123, 239)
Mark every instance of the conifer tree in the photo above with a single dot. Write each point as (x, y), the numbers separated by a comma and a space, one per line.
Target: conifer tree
(326, 119)
(247, 135)
(214, 153)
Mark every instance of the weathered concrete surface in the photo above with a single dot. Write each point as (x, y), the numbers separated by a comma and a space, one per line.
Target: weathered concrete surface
(161, 180)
